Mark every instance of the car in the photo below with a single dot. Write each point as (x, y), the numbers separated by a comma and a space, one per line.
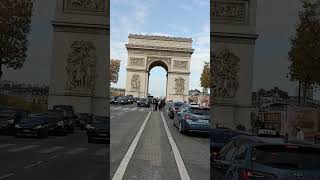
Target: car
(143, 102)
(174, 107)
(130, 99)
(114, 100)
(9, 117)
(123, 100)
(190, 118)
(35, 125)
(56, 123)
(136, 99)
(99, 129)
(69, 116)
(218, 138)
(254, 157)
(83, 119)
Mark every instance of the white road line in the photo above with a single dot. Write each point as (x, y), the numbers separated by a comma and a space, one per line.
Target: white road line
(181, 167)
(112, 107)
(117, 108)
(32, 165)
(6, 145)
(76, 150)
(23, 148)
(101, 152)
(6, 176)
(50, 150)
(133, 109)
(125, 161)
(112, 117)
(141, 109)
(124, 109)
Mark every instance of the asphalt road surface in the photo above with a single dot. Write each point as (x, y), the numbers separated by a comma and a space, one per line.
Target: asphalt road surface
(145, 145)
(56, 158)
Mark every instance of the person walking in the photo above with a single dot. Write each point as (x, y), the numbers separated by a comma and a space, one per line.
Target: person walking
(300, 133)
(160, 104)
(154, 104)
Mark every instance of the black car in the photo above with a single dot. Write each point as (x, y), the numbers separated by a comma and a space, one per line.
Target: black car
(69, 116)
(174, 107)
(9, 117)
(253, 157)
(36, 125)
(56, 123)
(123, 100)
(130, 99)
(218, 138)
(114, 100)
(98, 129)
(143, 102)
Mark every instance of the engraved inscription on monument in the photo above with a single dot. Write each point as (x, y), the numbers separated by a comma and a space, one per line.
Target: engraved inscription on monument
(180, 64)
(85, 5)
(235, 12)
(136, 61)
(224, 74)
(81, 66)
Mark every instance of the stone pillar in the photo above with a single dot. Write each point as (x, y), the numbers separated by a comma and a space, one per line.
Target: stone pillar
(233, 35)
(80, 57)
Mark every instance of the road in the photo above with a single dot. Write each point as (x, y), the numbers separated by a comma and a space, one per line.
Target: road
(68, 158)
(142, 148)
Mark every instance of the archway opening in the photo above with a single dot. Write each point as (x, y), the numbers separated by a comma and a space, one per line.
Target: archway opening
(157, 81)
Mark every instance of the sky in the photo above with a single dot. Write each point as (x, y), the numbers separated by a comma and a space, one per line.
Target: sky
(275, 25)
(164, 18)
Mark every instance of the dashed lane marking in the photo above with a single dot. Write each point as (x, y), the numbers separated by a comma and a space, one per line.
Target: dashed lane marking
(23, 148)
(125, 161)
(50, 150)
(6, 175)
(76, 150)
(33, 165)
(181, 167)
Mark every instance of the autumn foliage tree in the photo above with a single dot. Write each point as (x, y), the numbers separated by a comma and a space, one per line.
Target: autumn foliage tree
(114, 70)
(15, 20)
(205, 76)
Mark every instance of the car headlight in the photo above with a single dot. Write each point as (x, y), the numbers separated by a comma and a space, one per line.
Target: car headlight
(38, 127)
(11, 121)
(60, 123)
(17, 126)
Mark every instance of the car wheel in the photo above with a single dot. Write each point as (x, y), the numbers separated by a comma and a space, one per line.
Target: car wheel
(180, 128)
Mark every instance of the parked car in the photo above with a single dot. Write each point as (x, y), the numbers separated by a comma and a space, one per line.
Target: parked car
(174, 107)
(99, 129)
(253, 157)
(114, 100)
(130, 99)
(56, 123)
(9, 117)
(69, 116)
(123, 100)
(220, 136)
(143, 102)
(83, 119)
(136, 99)
(35, 125)
(190, 118)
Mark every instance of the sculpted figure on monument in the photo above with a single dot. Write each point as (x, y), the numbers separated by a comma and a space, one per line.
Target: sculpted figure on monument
(179, 85)
(135, 82)
(224, 75)
(87, 4)
(81, 66)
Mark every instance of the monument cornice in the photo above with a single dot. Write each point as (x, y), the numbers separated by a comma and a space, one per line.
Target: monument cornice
(60, 26)
(234, 38)
(136, 70)
(158, 48)
(178, 72)
(164, 38)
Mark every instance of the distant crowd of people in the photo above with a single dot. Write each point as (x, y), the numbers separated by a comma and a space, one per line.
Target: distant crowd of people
(158, 104)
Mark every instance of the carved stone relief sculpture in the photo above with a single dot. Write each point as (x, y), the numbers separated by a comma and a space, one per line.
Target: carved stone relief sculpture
(81, 66)
(135, 82)
(92, 5)
(136, 61)
(236, 11)
(180, 64)
(179, 85)
(224, 74)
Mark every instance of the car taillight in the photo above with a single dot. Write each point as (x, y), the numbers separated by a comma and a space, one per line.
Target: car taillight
(249, 174)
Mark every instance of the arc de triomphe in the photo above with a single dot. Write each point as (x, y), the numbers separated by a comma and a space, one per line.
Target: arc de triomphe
(171, 53)
(233, 36)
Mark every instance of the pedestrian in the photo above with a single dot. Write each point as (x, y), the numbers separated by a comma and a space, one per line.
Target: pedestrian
(156, 104)
(300, 133)
(160, 104)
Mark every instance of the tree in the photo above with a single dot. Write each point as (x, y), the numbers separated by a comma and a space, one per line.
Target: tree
(114, 70)
(15, 20)
(205, 76)
(304, 55)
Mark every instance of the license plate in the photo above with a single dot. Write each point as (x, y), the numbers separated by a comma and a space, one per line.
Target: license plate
(203, 121)
(26, 130)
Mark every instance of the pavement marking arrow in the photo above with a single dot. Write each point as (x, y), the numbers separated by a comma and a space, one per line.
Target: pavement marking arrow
(125, 161)
(181, 167)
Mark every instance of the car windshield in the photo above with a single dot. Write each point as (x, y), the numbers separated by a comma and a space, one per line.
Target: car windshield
(178, 104)
(287, 157)
(200, 111)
